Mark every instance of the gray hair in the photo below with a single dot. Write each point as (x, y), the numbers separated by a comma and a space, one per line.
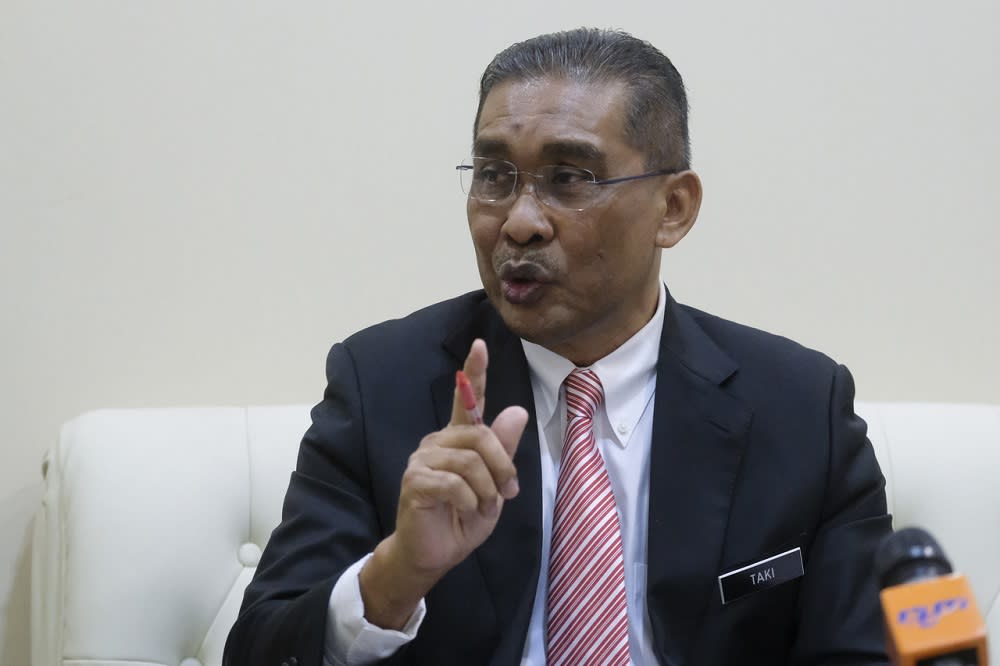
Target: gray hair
(657, 109)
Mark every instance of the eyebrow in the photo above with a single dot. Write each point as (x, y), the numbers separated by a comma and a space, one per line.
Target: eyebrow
(490, 148)
(572, 151)
(555, 151)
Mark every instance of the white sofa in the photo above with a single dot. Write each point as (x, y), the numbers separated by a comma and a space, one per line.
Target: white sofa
(153, 520)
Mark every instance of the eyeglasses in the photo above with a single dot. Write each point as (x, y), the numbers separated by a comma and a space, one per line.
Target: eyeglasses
(494, 181)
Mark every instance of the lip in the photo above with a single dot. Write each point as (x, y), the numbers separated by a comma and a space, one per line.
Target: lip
(522, 292)
(523, 282)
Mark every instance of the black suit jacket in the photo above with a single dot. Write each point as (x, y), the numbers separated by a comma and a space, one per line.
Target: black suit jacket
(755, 450)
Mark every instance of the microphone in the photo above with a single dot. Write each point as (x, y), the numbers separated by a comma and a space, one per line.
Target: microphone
(930, 614)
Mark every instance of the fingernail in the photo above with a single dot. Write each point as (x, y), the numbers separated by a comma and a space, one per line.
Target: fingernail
(510, 488)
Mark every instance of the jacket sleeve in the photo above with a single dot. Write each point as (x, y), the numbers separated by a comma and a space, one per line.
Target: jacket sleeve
(328, 523)
(839, 616)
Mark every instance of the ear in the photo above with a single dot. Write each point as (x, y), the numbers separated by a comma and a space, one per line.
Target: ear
(681, 203)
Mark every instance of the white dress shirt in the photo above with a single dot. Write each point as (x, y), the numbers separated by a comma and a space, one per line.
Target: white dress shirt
(623, 427)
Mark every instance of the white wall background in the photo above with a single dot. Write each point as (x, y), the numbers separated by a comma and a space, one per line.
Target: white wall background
(197, 197)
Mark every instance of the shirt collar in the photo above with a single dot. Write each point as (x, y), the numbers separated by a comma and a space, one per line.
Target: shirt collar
(626, 374)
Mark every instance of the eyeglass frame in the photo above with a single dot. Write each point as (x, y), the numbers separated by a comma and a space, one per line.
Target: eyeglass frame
(593, 181)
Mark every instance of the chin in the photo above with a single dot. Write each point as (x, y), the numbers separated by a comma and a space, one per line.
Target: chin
(531, 323)
(518, 318)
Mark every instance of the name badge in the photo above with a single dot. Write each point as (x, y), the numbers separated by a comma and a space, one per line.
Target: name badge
(762, 575)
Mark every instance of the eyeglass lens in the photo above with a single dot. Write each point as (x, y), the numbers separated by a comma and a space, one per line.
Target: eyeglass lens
(494, 181)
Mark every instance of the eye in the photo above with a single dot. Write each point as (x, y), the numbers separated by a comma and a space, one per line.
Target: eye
(491, 173)
(564, 176)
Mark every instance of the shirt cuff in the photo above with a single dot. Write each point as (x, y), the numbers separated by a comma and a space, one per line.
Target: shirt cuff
(351, 640)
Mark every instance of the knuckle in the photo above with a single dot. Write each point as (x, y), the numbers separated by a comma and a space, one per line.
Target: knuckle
(483, 438)
(410, 476)
(454, 483)
(467, 460)
(454, 436)
(416, 459)
(429, 440)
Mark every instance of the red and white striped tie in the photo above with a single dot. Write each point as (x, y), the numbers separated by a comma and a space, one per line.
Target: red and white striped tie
(587, 619)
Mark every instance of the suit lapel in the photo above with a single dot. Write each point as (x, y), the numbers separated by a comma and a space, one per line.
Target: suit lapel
(509, 558)
(698, 439)
(699, 433)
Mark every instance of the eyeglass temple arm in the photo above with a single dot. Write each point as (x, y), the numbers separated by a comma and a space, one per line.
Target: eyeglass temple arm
(648, 174)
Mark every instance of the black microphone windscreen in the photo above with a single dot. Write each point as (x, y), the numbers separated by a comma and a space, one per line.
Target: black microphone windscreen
(909, 555)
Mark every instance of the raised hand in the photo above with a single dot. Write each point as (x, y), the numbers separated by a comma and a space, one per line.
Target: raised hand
(451, 497)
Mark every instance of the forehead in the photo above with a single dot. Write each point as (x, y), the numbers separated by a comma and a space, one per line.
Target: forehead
(552, 119)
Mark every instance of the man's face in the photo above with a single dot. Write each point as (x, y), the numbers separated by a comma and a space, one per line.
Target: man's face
(577, 282)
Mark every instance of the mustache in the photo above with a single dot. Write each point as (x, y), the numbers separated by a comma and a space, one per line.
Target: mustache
(533, 266)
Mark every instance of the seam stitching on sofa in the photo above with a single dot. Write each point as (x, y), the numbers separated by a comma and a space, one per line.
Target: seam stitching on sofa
(241, 567)
(218, 611)
(131, 662)
(247, 440)
(992, 605)
(63, 563)
(891, 477)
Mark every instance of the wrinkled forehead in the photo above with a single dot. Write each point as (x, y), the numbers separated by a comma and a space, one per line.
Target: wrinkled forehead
(553, 120)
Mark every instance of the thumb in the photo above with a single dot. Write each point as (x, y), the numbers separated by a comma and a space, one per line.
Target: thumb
(508, 426)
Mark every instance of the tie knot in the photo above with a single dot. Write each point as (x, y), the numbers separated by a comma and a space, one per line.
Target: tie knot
(583, 393)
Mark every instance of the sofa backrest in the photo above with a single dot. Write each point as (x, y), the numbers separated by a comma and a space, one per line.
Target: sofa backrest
(153, 520)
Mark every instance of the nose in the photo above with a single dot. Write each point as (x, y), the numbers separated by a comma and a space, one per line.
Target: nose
(526, 218)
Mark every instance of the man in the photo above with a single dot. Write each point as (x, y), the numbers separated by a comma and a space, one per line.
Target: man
(655, 485)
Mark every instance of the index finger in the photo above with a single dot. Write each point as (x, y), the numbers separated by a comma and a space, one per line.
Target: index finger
(475, 369)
